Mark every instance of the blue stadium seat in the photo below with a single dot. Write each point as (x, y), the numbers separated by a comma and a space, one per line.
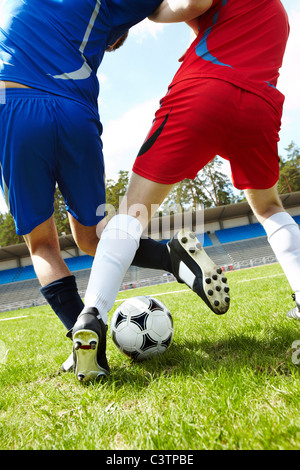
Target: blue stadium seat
(297, 219)
(243, 232)
(9, 275)
(79, 262)
(206, 240)
(27, 272)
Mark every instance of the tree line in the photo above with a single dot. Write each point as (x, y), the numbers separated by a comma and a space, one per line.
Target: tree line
(212, 187)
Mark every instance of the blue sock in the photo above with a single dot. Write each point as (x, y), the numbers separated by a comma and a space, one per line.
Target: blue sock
(64, 299)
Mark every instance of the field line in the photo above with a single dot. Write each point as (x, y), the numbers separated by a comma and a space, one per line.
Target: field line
(161, 293)
(13, 318)
(257, 278)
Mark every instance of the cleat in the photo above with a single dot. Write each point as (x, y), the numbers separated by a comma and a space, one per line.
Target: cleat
(68, 365)
(89, 346)
(295, 312)
(194, 268)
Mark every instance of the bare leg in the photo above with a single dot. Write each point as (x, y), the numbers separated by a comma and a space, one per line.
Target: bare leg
(282, 231)
(58, 284)
(44, 249)
(86, 238)
(264, 202)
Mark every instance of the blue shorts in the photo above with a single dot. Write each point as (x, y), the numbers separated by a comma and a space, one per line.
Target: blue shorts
(47, 140)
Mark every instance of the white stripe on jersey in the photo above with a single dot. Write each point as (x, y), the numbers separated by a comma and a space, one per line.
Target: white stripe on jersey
(85, 70)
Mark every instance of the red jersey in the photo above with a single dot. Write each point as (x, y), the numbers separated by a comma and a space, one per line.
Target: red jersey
(241, 42)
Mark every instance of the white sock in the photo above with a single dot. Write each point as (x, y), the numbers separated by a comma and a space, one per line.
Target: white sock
(284, 237)
(115, 252)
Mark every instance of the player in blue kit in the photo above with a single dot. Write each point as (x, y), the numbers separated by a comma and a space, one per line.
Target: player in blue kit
(50, 127)
(50, 130)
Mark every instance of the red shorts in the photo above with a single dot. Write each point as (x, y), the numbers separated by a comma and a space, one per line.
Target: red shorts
(201, 118)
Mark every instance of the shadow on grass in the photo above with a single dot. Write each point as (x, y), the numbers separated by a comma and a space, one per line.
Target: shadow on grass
(269, 354)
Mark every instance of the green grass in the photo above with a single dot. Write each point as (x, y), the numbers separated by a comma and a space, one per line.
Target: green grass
(227, 382)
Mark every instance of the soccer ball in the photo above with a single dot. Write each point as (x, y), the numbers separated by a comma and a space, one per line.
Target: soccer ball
(142, 327)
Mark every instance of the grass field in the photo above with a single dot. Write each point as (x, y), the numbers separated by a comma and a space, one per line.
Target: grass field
(228, 382)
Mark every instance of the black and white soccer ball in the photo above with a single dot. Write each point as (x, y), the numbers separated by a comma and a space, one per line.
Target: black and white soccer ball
(142, 327)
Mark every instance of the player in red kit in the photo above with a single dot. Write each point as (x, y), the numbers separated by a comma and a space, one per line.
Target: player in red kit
(241, 44)
(222, 101)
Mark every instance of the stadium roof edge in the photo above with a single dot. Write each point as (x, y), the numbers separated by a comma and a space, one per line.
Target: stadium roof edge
(213, 214)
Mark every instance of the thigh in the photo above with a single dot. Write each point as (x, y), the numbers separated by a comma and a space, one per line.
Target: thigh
(80, 165)
(143, 198)
(27, 157)
(187, 132)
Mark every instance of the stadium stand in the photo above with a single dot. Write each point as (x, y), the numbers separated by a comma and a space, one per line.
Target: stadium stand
(233, 247)
(243, 232)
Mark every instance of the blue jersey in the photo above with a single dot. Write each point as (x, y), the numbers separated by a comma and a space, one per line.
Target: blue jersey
(58, 45)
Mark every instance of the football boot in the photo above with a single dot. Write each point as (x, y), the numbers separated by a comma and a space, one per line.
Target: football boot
(192, 266)
(68, 365)
(89, 346)
(294, 313)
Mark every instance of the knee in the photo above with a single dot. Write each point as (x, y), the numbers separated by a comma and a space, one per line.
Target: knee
(38, 244)
(87, 242)
(267, 211)
(264, 203)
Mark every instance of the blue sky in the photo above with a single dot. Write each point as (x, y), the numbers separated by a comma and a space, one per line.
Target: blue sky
(134, 78)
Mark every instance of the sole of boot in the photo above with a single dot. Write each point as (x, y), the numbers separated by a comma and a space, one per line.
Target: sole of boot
(85, 344)
(200, 273)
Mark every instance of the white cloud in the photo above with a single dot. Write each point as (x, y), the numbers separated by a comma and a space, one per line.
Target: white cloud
(102, 78)
(3, 206)
(146, 28)
(123, 137)
(288, 81)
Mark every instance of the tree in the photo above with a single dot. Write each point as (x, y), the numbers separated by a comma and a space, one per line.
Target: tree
(211, 187)
(60, 214)
(289, 179)
(116, 190)
(8, 234)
